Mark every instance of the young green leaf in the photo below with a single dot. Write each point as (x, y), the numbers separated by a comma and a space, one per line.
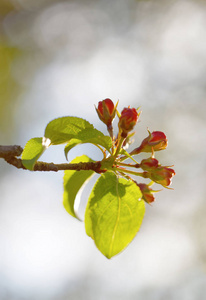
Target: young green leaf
(90, 135)
(73, 181)
(32, 151)
(63, 129)
(114, 213)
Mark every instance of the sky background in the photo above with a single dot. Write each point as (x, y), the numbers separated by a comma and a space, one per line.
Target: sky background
(59, 58)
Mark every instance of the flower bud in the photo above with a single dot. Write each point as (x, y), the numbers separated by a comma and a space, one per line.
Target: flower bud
(156, 141)
(149, 163)
(128, 120)
(147, 194)
(106, 111)
(162, 175)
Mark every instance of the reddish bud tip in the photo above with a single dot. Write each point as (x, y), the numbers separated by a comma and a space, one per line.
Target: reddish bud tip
(106, 111)
(162, 175)
(147, 193)
(109, 105)
(149, 163)
(128, 119)
(156, 141)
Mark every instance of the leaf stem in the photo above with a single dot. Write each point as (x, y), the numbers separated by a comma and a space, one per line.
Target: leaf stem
(104, 154)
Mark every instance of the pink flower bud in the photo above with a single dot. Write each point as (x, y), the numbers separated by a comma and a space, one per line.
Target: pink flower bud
(156, 141)
(149, 163)
(162, 175)
(147, 194)
(128, 120)
(106, 111)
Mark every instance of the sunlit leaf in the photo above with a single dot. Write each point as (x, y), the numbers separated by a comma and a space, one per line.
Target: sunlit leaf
(114, 213)
(73, 181)
(62, 130)
(32, 151)
(90, 135)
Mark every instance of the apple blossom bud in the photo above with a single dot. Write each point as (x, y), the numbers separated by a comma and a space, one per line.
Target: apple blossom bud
(162, 175)
(106, 111)
(149, 163)
(147, 194)
(127, 120)
(156, 141)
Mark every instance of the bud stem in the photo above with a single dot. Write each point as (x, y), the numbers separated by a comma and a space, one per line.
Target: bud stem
(141, 174)
(135, 151)
(110, 130)
(119, 146)
(129, 165)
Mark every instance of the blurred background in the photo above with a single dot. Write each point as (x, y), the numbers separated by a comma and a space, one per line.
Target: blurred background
(59, 58)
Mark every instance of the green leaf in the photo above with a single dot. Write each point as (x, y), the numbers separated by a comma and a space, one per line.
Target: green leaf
(32, 151)
(114, 213)
(63, 129)
(90, 135)
(73, 181)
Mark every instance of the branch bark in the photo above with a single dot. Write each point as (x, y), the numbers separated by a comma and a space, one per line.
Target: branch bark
(10, 153)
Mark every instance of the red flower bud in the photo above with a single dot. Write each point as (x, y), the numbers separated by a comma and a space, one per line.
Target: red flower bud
(162, 175)
(106, 111)
(149, 163)
(155, 141)
(147, 194)
(128, 120)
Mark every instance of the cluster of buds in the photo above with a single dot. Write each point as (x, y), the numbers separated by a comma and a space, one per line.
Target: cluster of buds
(155, 141)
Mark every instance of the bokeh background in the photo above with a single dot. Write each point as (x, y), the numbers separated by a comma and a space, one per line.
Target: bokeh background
(60, 58)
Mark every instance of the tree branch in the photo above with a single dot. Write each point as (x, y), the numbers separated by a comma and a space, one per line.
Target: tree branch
(9, 153)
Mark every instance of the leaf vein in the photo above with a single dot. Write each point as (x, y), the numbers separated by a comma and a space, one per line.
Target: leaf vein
(104, 211)
(129, 209)
(118, 218)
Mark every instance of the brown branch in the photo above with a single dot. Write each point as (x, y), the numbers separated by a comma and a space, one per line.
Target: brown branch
(9, 153)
